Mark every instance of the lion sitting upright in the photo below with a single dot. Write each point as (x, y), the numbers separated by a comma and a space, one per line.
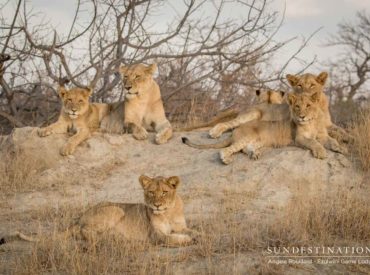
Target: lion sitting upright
(143, 106)
(77, 117)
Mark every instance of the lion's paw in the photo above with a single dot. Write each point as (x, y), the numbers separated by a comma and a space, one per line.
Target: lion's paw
(43, 132)
(163, 136)
(67, 149)
(140, 134)
(217, 131)
(226, 158)
(319, 153)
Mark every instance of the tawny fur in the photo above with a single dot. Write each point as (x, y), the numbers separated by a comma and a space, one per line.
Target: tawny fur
(160, 220)
(250, 136)
(307, 128)
(77, 117)
(143, 106)
(267, 96)
(307, 84)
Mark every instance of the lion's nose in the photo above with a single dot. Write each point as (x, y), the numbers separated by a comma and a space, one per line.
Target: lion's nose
(302, 117)
(128, 87)
(74, 110)
(157, 204)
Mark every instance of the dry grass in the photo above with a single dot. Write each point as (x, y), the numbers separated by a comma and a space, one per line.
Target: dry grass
(231, 241)
(361, 132)
(341, 216)
(18, 172)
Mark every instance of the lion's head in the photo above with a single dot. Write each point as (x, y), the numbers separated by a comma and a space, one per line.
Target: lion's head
(303, 108)
(159, 192)
(308, 83)
(270, 96)
(75, 101)
(137, 79)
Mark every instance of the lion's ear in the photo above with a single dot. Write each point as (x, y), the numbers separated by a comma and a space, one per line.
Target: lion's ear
(87, 92)
(62, 91)
(145, 181)
(292, 79)
(291, 98)
(173, 181)
(151, 69)
(123, 69)
(258, 92)
(282, 93)
(315, 97)
(322, 77)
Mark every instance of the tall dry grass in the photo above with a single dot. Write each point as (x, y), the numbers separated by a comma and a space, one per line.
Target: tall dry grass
(361, 132)
(231, 240)
(18, 172)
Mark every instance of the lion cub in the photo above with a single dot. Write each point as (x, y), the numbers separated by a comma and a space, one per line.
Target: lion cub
(77, 117)
(159, 220)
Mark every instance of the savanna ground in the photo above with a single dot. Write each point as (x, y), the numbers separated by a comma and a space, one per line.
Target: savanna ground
(240, 209)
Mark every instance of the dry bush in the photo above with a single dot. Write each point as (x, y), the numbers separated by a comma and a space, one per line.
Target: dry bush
(361, 132)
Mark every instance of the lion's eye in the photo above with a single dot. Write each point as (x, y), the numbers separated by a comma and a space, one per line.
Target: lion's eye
(137, 77)
(164, 193)
(299, 86)
(69, 100)
(80, 101)
(312, 86)
(308, 105)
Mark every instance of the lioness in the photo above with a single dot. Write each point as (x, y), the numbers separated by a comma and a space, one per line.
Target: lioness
(77, 117)
(307, 127)
(266, 96)
(250, 130)
(307, 84)
(143, 107)
(159, 220)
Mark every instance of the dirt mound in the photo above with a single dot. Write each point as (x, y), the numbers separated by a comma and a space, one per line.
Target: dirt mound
(107, 167)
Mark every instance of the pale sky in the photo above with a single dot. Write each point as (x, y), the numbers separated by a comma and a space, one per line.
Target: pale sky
(302, 17)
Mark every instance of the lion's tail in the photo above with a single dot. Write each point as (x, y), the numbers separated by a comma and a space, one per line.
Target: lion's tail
(113, 122)
(73, 231)
(219, 145)
(221, 117)
(16, 236)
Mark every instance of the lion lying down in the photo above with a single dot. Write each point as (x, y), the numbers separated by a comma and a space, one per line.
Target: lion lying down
(306, 126)
(307, 84)
(159, 220)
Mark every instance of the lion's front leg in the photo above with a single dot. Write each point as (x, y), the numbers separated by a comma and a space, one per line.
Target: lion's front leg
(318, 151)
(164, 132)
(74, 141)
(227, 153)
(333, 145)
(220, 128)
(59, 127)
(340, 134)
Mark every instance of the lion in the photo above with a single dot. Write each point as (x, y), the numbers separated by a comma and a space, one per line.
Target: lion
(307, 128)
(250, 129)
(77, 117)
(267, 96)
(143, 106)
(307, 84)
(311, 123)
(160, 220)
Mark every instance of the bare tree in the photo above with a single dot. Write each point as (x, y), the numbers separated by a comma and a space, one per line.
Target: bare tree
(196, 50)
(351, 70)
